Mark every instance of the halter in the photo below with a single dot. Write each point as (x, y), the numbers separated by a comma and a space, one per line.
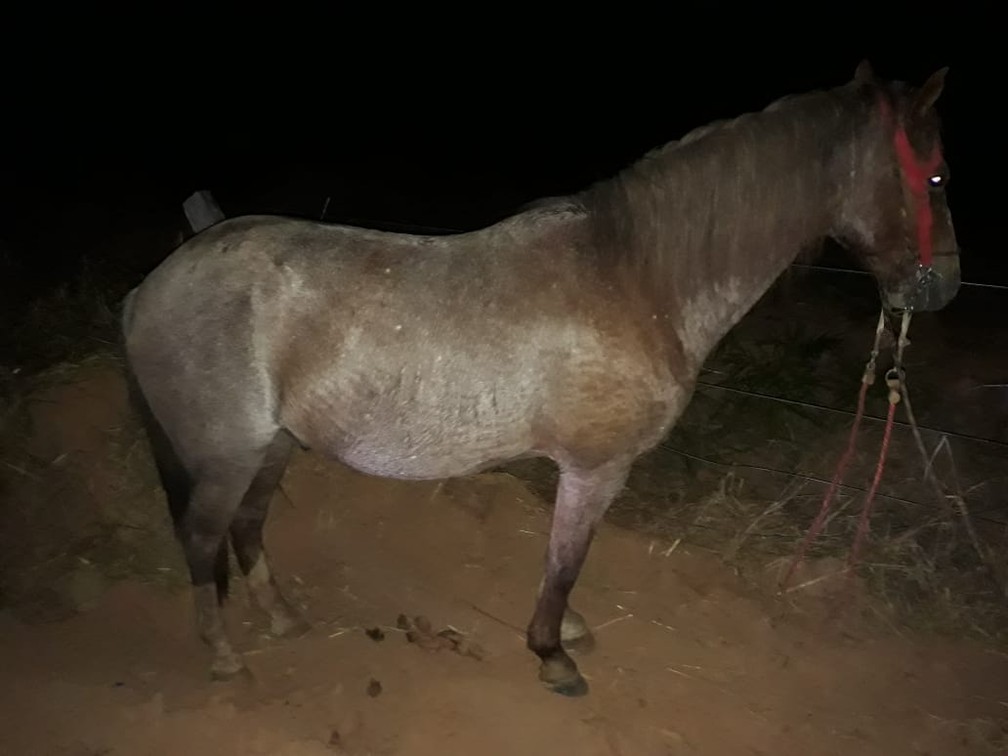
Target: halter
(916, 173)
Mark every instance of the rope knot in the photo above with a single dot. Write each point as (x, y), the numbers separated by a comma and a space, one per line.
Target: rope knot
(894, 382)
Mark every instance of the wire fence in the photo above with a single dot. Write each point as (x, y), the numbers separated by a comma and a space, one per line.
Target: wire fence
(442, 230)
(825, 408)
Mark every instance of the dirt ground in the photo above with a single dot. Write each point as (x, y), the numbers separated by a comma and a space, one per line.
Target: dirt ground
(692, 656)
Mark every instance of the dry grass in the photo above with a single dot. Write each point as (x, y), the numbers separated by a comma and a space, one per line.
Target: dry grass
(923, 571)
(72, 524)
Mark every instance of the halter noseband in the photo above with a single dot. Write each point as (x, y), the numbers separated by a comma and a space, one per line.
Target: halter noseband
(916, 173)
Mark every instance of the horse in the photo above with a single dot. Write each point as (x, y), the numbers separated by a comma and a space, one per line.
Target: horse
(574, 329)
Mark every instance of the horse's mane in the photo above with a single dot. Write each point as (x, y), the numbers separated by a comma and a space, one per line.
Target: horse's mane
(705, 141)
(728, 189)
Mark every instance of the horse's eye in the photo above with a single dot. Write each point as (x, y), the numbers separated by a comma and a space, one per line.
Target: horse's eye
(936, 180)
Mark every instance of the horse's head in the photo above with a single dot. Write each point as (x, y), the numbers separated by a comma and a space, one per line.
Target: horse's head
(894, 213)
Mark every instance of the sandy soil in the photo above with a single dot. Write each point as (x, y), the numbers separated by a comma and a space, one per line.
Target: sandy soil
(691, 656)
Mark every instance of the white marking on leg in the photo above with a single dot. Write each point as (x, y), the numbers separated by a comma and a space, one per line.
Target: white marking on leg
(266, 594)
(226, 662)
(260, 575)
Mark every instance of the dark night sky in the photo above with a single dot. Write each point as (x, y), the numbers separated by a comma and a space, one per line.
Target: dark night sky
(109, 136)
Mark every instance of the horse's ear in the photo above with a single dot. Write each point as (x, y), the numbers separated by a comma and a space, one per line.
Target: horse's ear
(864, 73)
(928, 94)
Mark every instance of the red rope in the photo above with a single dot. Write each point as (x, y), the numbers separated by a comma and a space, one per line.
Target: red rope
(864, 522)
(827, 502)
(894, 379)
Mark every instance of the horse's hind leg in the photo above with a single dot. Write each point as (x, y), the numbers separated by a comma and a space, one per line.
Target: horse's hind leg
(582, 499)
(247, 539)
(215, 498)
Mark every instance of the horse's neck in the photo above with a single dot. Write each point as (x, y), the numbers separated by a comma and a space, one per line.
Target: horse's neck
(710, 223)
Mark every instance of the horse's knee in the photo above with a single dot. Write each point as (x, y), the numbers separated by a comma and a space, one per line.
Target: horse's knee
(207, 558)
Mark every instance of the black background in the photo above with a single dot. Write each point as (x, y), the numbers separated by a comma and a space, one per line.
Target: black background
(449, 121)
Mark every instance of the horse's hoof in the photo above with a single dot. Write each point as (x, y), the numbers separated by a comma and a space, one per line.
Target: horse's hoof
(573, 688)
(229, 668)
(560, 675)
(288, 626)
(582, 644)
(572, 625)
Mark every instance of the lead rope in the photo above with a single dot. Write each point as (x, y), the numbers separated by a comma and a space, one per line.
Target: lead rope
(867, 379)
(894, 382)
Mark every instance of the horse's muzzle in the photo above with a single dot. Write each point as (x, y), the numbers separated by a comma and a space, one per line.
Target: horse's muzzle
(929, 289)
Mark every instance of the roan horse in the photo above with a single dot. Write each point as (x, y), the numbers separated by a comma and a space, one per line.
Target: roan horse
(573, 330)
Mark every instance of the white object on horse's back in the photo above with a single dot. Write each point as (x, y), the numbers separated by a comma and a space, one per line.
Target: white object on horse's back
(202, 211)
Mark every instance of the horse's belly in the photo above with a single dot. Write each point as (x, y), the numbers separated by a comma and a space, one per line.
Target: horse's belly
(428, 460)
(439, 427)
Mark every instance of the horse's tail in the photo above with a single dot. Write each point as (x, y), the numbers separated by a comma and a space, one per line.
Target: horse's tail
(175, 479)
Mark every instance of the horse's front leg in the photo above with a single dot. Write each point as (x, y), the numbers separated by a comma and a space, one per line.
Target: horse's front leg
(582, 498)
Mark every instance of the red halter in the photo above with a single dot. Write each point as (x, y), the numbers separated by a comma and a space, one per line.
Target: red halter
(916, 173)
